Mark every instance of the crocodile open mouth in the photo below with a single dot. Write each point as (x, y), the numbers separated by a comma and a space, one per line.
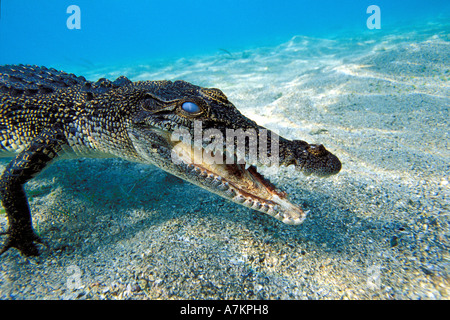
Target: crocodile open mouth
(238, 182)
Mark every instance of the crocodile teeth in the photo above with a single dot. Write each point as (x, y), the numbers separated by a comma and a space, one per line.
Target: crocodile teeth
(230, 193)
(223, 186)
(257, 205)
(216, 182)
(241, 182)
(239, 198)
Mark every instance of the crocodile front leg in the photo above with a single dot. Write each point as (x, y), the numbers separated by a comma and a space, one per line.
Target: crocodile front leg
(27, 164)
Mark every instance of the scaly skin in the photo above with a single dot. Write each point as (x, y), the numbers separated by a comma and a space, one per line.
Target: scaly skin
(46, 114)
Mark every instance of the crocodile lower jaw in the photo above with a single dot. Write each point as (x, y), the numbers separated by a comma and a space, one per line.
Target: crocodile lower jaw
(239, 183)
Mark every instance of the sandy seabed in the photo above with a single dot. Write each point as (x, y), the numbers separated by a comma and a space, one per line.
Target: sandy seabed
(377, 230)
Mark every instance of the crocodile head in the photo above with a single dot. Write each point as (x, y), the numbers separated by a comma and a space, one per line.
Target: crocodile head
(198, 135)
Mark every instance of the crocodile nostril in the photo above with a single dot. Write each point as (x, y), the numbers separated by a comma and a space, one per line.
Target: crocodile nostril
(317, 150)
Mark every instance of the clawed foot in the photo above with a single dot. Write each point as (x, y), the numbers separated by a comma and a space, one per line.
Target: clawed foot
(25, 242)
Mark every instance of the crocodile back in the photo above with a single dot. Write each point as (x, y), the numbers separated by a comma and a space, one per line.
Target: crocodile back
(33, 98)
(17, 80)
(25, 80)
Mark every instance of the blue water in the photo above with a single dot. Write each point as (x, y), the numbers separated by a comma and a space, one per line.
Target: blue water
(35, 32)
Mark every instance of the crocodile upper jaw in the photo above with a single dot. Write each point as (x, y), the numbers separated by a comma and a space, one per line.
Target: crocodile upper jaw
(237, 182)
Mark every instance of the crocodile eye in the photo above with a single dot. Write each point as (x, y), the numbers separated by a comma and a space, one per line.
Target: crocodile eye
(190, 107)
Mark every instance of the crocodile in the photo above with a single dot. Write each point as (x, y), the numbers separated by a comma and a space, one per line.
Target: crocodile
(46, 114)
